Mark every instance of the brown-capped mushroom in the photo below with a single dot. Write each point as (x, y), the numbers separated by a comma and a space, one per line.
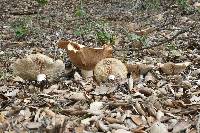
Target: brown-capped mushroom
(85, 58)
(171, 68)
(138, 69)
(110, 66)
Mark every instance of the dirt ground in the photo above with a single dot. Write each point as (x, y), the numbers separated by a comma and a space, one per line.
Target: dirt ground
(164, 98)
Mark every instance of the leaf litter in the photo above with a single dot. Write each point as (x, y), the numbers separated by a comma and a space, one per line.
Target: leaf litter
(160, 93)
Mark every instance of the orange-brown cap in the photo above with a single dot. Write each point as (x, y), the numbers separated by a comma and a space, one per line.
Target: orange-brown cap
(84, 57)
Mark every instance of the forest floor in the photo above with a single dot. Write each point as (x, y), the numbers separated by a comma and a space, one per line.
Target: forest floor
(166, 98)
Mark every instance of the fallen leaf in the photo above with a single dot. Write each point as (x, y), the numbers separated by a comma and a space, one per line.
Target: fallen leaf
(34, 125)
(118, 126)
(181, 126)
(144, 32)
(139, 109)
(95, 108)
(121, 131)
(158, 127)
(79, 129)
(112, 120)
(102, 126)
(137, 119)
(2, 118)
(76, 96)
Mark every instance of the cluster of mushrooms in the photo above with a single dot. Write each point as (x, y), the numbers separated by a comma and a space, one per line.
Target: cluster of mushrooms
(95, 62)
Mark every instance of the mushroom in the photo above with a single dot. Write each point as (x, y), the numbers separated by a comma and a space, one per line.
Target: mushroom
(171, 68)
(37, 67)
(85, 58)
(138, 69)
(110, 66)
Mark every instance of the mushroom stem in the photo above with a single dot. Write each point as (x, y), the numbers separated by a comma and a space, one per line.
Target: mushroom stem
(87, 73)
(130, 83)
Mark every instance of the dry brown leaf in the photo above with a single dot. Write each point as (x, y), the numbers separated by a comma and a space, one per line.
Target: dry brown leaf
(158, 127)
(131, 27)
(79, 129)
(59, 122)
(137, 119)
(139, 109)
(34, 125)
(112, 120)
(87, 121)
(181, 126)
(136, 44)
(2, 118)
(169, 103)
(121, 131)
(117, 126)
(139, 129)
(101, 90)
(51, 89)
(49, 112)
(76, 96)
(151, 120)
(151, 109)
(73, 112)
(150, 78)
(146, 91)
(144, 32)
(159, 115)
(102, 126)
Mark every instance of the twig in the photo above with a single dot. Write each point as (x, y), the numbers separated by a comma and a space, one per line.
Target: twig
(10, 44)
(73, 112)
(166, 40)
(198, 124)
(24, 13)
(173, 37)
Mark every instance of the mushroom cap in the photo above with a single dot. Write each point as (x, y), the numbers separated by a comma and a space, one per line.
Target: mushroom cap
(138, 69)
(110, 66)
(29, 67)
(83, 57)
(173, 68)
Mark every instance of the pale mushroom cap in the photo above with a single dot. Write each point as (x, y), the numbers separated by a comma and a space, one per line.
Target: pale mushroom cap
(29, 67)
(110, 66)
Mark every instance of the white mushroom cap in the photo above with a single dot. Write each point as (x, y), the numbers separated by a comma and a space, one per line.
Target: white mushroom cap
(110, 66)
(28, 68)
